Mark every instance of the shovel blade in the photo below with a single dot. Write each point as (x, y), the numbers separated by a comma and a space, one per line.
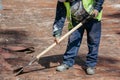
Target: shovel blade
(18, 71)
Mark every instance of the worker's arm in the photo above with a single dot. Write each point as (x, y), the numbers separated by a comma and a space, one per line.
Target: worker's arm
(59, 19)
(98, 5)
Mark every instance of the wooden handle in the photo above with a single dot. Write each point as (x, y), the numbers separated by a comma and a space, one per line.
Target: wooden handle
(63, 37)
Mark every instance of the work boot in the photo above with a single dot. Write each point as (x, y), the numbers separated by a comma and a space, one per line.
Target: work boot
(90, 70)
(62, 67)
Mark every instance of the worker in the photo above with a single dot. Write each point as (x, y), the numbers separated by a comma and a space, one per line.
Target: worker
(76, 11)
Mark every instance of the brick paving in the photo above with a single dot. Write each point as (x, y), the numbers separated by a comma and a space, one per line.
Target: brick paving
(26, 23)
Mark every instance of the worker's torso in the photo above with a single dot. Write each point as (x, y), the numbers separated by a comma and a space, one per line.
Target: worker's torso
(77, 10)
(81, 7)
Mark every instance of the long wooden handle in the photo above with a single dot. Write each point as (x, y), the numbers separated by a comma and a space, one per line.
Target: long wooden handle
(54, 44)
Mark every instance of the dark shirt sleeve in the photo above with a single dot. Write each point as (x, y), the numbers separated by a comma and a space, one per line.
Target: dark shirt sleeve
(98, 5)
(59, 19)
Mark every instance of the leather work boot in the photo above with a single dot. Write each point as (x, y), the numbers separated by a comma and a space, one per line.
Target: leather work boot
(90, 70)
(62, 67)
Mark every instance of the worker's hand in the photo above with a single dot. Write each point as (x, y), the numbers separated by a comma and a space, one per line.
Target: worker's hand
(95, 13)
(56, 39)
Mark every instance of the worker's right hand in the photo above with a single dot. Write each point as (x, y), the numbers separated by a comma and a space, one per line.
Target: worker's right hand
(56, 40)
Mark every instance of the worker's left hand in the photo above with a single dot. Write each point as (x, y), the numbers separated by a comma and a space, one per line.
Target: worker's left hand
(95, 13)
(56, 40)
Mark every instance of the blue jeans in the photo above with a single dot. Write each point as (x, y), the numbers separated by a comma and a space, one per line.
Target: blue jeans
(93, 29)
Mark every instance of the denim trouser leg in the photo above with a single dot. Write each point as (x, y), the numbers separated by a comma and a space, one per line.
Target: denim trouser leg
(93, 28)
(73, 46)
(93, 39)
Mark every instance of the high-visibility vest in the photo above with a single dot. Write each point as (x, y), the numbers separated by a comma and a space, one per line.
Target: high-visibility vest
(87, 4)
(69, 18)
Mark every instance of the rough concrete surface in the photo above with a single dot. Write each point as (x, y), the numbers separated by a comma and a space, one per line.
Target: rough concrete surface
(28, 23)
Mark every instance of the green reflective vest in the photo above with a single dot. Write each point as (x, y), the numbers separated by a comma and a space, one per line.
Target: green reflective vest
(87, 4)
(69, 18)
